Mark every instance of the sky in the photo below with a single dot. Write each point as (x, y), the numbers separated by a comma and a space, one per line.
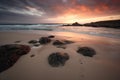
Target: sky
(58, 11)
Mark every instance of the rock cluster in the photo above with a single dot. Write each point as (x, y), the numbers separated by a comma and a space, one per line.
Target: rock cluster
(10, 53)
(42, 40)
(76, 24)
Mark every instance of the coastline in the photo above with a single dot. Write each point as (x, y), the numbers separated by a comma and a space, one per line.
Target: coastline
(103, 66)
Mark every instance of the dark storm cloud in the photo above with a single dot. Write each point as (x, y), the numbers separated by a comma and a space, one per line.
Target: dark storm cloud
(25, 7)
(27, 10)
(20, 11)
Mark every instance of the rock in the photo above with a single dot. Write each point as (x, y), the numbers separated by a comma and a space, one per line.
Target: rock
(57, 42)
(44, 40)
(32, 55)
(73, 24)
(64, 42)
(68, 42)
(33, 42)
(86, 51)
(58, 59)
(51, 36)
(76, 24)
(10, 53)
(36, 45)
(66, 25)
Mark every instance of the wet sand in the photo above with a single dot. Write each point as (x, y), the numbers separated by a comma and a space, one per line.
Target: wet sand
(103, 66)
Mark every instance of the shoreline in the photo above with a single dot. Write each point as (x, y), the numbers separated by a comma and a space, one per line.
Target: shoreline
(52, 33)
(61, 34)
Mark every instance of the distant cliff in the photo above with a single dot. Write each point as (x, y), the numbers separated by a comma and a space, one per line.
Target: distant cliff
(109, 24)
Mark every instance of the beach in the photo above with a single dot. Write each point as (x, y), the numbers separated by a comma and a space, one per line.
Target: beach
(102, 66)
(59, 40)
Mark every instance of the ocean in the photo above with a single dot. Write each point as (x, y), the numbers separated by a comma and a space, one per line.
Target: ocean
(99, 31)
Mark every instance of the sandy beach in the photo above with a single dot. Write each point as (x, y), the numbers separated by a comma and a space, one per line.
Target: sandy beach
(104, 65)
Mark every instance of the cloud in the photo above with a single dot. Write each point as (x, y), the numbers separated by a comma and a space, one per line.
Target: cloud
(62, 9)
(21, 7)
(31, 11)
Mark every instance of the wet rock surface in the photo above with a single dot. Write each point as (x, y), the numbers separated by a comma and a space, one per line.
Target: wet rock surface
(57, 42)
(86, 51)
(44, 40)
(58, 59)
(33, 42)
(10, 53)
(64, 42)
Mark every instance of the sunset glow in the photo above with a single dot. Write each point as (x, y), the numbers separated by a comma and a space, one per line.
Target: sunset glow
(58, 11)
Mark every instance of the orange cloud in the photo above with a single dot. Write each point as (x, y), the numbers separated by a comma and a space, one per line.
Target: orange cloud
(80, 11)
(101, 9)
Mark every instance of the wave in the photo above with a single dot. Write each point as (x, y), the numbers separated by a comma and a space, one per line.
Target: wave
(106, 32)
(49, 27)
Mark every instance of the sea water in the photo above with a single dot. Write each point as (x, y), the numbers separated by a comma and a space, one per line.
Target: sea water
(96, 31)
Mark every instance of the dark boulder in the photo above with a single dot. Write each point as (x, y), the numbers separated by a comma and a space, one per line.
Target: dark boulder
(33, 42)
(57, 42)
(10, 53)
(44, 40)
(58, 59)
(86, 51)
(51, 36)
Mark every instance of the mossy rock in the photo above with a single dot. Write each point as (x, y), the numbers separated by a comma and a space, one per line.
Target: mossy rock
(58, 59)
(86, 51)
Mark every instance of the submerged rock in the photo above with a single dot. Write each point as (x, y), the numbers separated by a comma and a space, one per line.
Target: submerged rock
(44, 40)
(10, 53)
(86, 51)
(58, 59)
